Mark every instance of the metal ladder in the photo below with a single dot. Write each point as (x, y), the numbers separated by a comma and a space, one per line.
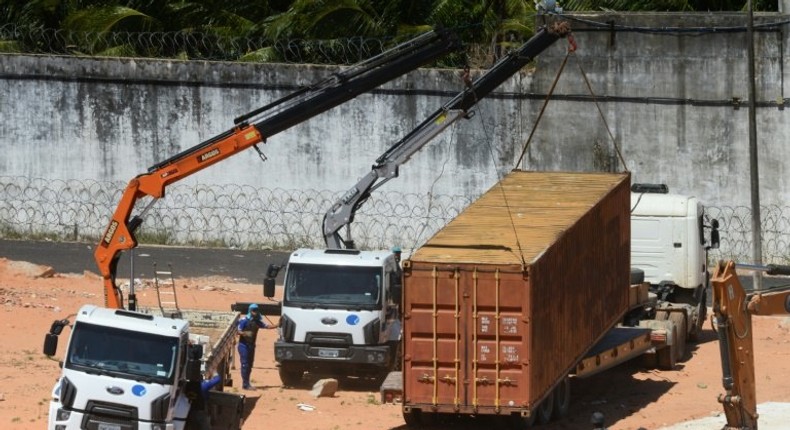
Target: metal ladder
(166, 292)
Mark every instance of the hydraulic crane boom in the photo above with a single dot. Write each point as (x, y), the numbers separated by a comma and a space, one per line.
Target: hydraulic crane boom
(386, 167)
(733, 309)
(249, 130)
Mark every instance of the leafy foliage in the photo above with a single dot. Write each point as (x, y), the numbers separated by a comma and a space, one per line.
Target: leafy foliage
(89, 24)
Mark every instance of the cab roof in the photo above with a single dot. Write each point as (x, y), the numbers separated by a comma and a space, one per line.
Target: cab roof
(129, 320)
(344, 257)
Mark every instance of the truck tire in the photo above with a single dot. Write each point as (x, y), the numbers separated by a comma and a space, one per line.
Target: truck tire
(413, 418)
(517, 422)
(416, 418)
(546, 409)
(679, 321)
(290, 375)
(666, 357)
(562, 398)
(702, 315)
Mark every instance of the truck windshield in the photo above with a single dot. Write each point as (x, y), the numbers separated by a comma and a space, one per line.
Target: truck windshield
(122, 353)
(314, 285)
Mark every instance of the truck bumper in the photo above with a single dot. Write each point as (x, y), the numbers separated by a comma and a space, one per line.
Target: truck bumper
(378, 356)
(60, 419)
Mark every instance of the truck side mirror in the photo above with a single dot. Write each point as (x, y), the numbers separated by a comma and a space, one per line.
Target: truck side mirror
(50, 344)
(273, 270)
(194, 357)
(51, 338)
(714, 234)
(268, 287)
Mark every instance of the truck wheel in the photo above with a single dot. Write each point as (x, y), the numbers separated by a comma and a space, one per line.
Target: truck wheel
(666, 356)
(413, 418)
(517, 422)
(416, 418)
(702, 315)
(290, 376)
(546, 409)
(679, 321)
(562, 398)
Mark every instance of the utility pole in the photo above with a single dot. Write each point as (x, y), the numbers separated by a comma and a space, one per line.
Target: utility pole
(757, 244)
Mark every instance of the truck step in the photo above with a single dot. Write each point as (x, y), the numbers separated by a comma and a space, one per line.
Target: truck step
(617, 346)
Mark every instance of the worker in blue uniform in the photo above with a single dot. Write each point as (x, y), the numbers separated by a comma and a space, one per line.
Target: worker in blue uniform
(198, 418)
(248, 332)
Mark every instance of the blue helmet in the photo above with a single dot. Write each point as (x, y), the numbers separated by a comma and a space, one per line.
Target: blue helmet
(249, 312)
(396, 249)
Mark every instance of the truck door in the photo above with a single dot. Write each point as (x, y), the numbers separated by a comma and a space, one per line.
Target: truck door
(226, 410)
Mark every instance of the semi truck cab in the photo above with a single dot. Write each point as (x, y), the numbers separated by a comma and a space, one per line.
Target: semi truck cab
(669, 247)
(668, 239)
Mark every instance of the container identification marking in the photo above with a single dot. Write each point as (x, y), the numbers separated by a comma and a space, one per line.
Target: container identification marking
(510, 325)
(485, 323)
(484, 351)
(510, 353)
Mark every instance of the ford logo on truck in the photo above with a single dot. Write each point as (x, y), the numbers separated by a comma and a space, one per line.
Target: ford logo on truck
(115, 391)
(328, 321)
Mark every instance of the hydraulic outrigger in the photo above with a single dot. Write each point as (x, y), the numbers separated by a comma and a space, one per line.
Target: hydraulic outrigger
(249, 130)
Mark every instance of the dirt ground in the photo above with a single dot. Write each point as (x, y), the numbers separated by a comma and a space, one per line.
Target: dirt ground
(630, 396)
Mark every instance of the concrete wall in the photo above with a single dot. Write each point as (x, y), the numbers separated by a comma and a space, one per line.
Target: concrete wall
(111, 119)
(670, 102)
(667, 99)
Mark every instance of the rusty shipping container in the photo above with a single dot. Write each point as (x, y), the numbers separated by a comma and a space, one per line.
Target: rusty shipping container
(502, 302)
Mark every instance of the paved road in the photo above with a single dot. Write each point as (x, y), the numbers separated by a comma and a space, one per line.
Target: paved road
(249, 266)
(75, 257)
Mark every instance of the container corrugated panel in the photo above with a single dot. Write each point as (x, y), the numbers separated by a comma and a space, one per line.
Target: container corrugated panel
(504, 300)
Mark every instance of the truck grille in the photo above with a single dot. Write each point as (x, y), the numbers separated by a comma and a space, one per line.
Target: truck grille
(336, 340)
(109, 413)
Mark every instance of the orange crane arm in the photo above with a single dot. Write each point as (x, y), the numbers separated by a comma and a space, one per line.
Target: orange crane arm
(733, 310)
(271, 119)
(119, 235)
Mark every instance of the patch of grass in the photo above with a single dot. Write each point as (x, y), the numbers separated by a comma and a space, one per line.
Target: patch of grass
(372, 400)
(155, 237)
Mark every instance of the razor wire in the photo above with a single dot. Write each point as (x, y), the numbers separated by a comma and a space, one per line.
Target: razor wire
(235, 216)
(188, 46)
(242, 216)
(184, 45)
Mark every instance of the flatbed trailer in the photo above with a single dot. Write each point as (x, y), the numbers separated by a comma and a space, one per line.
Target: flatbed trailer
(216, 332)
(619, 345)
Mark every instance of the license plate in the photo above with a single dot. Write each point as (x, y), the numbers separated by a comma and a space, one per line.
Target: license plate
(105, 426)
(328, 353)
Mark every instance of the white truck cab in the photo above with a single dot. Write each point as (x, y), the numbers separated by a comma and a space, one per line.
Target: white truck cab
(126, 370)
(669, 247)
(121, 371)
(340, 314)
(668, 240)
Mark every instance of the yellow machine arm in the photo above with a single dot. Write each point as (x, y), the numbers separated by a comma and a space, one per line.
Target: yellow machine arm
(733, 309)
